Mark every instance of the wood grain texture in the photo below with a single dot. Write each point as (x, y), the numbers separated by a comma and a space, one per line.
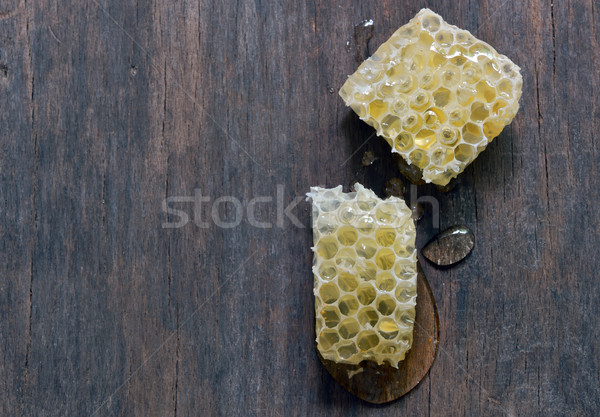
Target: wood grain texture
(108, 107)
(379, 384)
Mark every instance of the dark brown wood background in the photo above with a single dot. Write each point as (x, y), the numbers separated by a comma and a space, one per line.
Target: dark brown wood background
(107, 107)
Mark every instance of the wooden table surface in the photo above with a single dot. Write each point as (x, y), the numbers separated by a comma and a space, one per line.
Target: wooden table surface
(109, 108)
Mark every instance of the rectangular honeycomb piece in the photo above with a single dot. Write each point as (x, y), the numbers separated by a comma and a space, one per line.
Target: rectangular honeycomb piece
(365, 275)
(436, 94)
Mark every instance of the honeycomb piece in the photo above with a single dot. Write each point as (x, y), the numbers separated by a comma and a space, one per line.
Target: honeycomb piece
(436, 94)
(365, 275)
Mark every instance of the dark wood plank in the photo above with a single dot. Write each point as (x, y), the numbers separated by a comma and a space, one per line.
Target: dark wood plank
(18, 217)
(108, 107)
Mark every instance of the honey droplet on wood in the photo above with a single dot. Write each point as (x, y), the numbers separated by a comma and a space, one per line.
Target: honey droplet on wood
(450, 246)
(368, 158)
(394, 187)
(417, 211)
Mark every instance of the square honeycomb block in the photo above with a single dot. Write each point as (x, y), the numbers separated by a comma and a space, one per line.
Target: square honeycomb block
(365, 276)
(436, 94)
